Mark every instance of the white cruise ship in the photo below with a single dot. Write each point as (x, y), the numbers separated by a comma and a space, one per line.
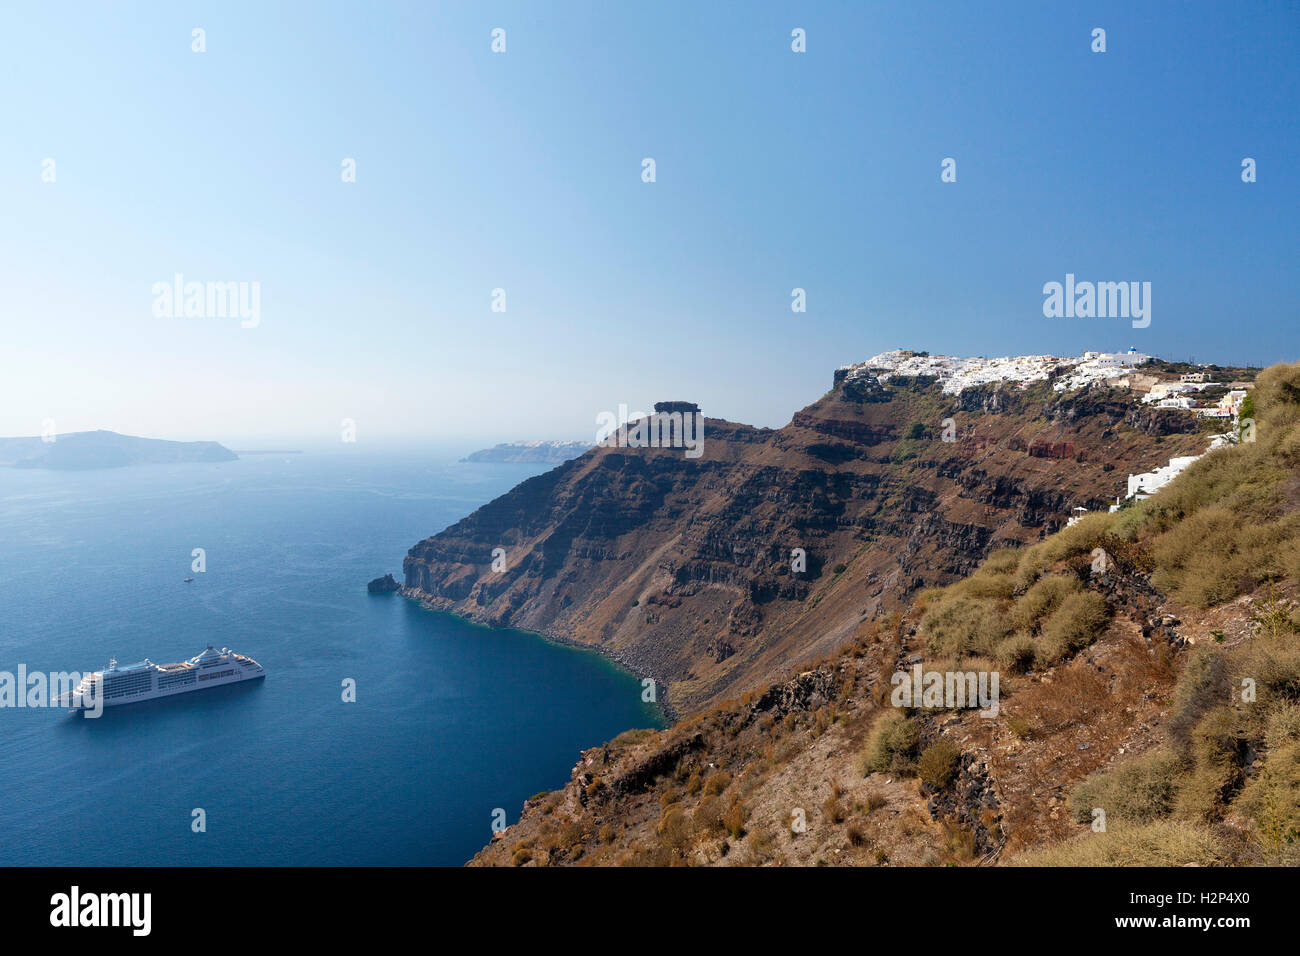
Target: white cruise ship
(148, 681)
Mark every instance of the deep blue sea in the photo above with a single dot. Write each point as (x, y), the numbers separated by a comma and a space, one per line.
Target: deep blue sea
(451, 720)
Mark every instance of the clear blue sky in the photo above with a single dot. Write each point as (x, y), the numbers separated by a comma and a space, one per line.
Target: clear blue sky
(522, 170)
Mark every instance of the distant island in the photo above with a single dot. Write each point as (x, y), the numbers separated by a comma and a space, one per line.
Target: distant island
(81, 451)
(545, 452)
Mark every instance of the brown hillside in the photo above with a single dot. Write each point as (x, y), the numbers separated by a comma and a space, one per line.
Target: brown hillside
(681, 568)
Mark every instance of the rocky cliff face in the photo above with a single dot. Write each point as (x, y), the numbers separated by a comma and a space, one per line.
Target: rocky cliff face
(713, 574)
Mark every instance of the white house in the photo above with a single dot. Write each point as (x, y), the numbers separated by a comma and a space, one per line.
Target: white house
(1147, 484)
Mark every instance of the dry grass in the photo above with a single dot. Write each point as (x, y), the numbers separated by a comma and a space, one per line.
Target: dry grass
(1164, 843)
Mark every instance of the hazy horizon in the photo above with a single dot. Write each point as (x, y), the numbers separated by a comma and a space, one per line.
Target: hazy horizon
(454, 445)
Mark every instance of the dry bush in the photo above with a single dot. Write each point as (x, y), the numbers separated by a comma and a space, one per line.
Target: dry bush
(873, 801)
(1076, 694)
(1075, 624)
(1137, 791)
(1218, 750)
(1033, 607)
(717, 783)
(735, 818)
(1163, 843)
(939, 764)
(959, 624)
(891, 745)
(707, 819)
(833, 811)
(1015, 654)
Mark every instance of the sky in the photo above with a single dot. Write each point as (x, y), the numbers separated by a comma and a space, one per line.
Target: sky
(522, 171)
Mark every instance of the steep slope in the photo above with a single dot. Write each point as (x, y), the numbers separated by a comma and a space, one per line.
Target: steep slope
(682, 568)
(1148, 712)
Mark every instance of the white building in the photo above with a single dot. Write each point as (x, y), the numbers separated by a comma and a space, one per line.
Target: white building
(1121, 359)
(955, 374)
(1147, 484)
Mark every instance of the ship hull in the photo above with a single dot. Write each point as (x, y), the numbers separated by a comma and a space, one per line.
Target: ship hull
(78, 702)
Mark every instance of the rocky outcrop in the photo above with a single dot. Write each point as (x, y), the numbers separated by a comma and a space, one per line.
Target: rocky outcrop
(385, 585)
(1162, 421)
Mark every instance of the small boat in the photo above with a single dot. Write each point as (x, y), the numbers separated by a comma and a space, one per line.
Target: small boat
(188, 580)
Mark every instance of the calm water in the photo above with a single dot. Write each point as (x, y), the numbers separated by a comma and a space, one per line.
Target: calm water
(451, 720)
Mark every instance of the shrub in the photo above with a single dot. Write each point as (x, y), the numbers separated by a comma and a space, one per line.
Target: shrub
(1272, 798)
(982, 584)
(963, 625)
(1162, 843)
(1002, 561)
(939, 763)
(833, 810)
(1218, 750)
(707, 818)
(735, 818)
(717, 783)
(1072, 626)
(1204, 680)
(891, 745)
(1274, 665)
(1015, 654)
(1033, 607)
(674, 828)
(874, 801)
(1140, 790)
(629, 737)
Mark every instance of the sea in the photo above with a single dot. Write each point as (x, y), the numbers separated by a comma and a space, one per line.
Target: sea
(452, 728)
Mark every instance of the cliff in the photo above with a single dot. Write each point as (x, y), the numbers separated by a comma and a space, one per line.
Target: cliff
(1147, 713)
(686, 569)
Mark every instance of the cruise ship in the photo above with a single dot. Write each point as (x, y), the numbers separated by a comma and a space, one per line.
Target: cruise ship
(149, 681)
